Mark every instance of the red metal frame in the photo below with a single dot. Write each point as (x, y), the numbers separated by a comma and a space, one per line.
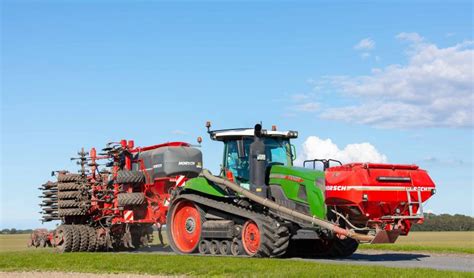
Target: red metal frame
(156, 191)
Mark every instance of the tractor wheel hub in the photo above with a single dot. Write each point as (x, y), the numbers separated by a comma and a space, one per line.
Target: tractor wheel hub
(190, 225)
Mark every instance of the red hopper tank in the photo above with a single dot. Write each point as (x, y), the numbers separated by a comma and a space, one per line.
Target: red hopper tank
(384, 196)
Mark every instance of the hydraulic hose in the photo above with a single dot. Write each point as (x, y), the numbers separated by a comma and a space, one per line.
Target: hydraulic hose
(272, 205)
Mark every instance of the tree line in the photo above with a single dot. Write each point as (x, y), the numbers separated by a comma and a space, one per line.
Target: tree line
(445, 222)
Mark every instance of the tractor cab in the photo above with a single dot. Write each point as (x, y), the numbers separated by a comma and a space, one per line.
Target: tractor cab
(276, 150)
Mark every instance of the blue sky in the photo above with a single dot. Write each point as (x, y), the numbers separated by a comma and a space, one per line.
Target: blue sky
(397, 76)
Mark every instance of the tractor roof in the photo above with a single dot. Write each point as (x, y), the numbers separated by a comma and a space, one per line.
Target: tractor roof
(228, 134)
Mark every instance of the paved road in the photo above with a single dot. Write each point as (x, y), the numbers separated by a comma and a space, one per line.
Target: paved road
(456, 262)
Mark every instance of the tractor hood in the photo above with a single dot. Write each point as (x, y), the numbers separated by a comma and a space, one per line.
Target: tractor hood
(302, 185)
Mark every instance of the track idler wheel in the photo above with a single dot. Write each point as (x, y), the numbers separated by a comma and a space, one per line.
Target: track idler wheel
(236, 248)
(214, 248)
(224, 247)
(184, 228)
(204, 247)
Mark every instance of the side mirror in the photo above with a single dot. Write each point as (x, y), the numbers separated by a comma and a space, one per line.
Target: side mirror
(293, 152)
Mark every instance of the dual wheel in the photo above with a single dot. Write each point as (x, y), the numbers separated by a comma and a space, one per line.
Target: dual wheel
(75, 238)
(185, 227)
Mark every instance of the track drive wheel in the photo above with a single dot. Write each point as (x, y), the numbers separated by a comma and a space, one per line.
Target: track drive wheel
(251, 238)
(184, 228)
(63, 238)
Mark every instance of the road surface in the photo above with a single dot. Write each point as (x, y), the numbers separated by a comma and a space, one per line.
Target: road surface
(456, 262)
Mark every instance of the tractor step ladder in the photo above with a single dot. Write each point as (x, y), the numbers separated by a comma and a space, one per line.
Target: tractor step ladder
(417, 202)
(411, 202)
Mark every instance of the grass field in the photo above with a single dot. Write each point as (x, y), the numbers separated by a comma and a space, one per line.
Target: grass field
(437, 242)
(15, 256)
(198, 266)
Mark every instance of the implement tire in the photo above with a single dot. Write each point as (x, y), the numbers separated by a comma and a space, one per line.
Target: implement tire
(76, 238)
(72, 195)
(71, 212)
(63, 237)
(92, 239)
(84, 231)
(130, 199)
(342, 248)
(68, 177)
(63, 186)
(129, 177)
(68, 204)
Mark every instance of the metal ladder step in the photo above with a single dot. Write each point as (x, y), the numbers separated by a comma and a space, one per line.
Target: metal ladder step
(418, 202)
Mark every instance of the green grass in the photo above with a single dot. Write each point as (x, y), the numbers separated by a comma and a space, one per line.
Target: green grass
(437, 242)
(197, 266)
(14, 242)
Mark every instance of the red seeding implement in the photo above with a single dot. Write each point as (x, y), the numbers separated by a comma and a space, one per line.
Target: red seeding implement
(41, 238)
(260, 205)
(116, 206)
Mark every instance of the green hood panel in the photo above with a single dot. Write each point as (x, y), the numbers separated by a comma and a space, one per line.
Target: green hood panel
(203, 185)
(292, 178)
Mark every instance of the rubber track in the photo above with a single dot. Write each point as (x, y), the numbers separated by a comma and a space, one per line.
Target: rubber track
(275, 239)
(130, 177)
(64, 186)
(84, 231)
(130, 199)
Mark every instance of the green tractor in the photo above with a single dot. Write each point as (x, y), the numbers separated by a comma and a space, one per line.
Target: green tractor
(260, 205)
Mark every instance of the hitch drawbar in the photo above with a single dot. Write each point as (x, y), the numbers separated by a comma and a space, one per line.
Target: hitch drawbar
(270, 204)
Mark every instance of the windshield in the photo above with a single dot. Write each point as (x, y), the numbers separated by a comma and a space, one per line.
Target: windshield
(277, 150)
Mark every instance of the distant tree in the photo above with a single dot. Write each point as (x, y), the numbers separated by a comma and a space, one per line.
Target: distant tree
(445, 222)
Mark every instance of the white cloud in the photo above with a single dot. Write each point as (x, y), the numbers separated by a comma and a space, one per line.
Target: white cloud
(413, 37)
(434, 89)
(315, 147)
(365, 44)
(307, 107)
(365, 55)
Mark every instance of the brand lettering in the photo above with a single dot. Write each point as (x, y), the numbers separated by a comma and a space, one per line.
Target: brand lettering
(336, 188)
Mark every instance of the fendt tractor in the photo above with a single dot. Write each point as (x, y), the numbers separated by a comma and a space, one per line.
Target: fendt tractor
(259, 205)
